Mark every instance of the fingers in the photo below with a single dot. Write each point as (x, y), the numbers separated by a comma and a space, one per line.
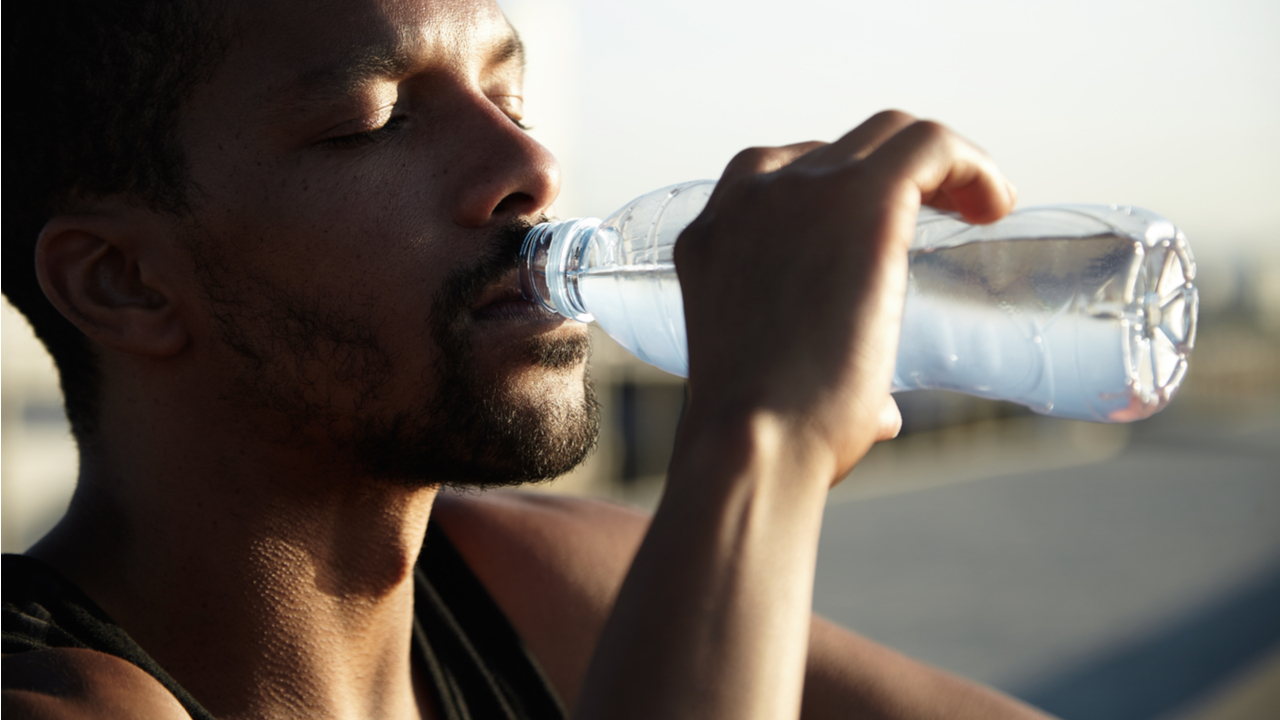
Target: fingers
(761, 160)
(947, 170)
(758, 161)
(860, 142)
(950, 172)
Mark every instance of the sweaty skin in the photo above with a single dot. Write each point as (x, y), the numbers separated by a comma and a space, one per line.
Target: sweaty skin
(352, 161)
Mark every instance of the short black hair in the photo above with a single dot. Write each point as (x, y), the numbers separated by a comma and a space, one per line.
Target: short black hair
(95, 91)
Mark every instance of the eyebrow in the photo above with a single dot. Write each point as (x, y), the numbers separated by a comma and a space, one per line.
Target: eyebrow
(350, 70)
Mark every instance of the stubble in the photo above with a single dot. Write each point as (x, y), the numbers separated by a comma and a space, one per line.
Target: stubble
(293, 349)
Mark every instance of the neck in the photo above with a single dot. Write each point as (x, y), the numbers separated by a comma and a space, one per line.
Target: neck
(264, 581)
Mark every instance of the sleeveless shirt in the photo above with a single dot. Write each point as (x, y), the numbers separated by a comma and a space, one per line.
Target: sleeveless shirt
(477, 665)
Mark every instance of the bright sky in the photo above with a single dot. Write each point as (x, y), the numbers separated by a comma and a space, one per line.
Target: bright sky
(1171, 105)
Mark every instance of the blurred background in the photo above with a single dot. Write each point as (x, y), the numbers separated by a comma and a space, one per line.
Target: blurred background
(1096, 571)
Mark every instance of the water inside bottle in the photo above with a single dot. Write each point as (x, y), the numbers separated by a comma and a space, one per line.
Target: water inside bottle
(641, 307)
(1095, 328)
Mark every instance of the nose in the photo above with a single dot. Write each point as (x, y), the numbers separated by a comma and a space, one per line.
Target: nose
(508, 173)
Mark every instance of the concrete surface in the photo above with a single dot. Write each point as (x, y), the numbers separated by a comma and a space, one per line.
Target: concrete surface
(1139, 586)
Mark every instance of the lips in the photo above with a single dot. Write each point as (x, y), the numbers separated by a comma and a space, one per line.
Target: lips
(504, 301)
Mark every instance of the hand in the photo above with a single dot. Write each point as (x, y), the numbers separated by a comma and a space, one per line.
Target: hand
(794, 277)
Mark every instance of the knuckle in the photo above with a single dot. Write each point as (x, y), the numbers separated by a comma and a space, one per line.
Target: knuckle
(755, 160)
(929, 131)
(893, 116)
(807, 146)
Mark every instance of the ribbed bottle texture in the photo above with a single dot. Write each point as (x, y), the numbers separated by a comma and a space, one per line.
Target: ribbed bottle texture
(1079, 311)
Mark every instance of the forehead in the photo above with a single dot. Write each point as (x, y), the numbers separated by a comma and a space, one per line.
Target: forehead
(284, 48)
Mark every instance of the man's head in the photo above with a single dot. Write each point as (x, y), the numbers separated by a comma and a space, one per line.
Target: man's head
(338, 263)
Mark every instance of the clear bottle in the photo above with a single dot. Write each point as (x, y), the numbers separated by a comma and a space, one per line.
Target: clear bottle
(1076, 311)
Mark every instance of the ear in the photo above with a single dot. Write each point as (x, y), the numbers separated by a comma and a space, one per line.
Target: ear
(108, 270)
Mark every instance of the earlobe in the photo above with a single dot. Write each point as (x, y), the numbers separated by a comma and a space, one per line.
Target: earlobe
(97, 269)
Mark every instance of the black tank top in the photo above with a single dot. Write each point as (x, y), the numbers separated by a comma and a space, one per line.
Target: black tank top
(477, 665)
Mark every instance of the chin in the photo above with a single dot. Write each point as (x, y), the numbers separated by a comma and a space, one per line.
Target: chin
(544, 375)
(524, 414)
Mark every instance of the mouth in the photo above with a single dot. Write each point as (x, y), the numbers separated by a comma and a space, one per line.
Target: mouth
(504, 302)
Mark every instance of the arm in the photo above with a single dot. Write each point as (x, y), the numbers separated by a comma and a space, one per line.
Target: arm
(793, 280)
(555, 565)
(848, 676)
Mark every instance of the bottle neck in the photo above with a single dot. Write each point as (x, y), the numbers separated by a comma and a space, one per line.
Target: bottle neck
(550, 262)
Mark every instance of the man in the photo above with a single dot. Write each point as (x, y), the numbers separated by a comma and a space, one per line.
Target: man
(279, 240)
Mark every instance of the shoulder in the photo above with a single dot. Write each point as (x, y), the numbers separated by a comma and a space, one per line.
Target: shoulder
(543, 546)
(553, 564)
(49, 669)
(562, 535)
(38, 606)
(68, 683)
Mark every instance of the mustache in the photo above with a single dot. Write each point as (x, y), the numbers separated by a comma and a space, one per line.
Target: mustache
(463, 286)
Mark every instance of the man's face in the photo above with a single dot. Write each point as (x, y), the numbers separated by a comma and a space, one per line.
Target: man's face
(361, 186)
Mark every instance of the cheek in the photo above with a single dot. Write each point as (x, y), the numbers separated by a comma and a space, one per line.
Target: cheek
(387, 218)
(352, 232)
(370, 226)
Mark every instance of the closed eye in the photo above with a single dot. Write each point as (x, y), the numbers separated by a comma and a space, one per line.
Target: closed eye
(513, 107)
(368, 137)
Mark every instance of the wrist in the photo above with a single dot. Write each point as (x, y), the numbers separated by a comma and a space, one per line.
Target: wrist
(723, 453)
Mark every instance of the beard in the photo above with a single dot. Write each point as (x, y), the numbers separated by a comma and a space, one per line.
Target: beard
(472, 430)
(478, 433)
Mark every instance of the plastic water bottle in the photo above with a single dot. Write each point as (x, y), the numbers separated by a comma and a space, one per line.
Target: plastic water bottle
(1076, 311)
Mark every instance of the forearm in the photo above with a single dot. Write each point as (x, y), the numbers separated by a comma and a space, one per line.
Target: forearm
(849, 677)
(712, 621)
(793, 280)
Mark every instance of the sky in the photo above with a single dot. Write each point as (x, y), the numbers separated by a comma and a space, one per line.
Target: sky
(1172, 105)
